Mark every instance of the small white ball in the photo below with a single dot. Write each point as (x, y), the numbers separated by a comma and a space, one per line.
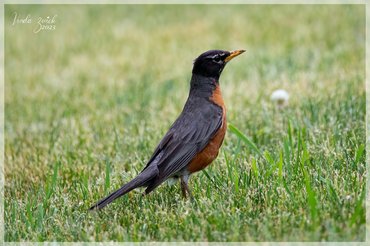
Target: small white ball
(280, 97)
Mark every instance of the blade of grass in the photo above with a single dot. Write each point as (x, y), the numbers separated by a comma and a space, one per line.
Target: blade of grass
(50, 186)
(245, 139)
(107, 174)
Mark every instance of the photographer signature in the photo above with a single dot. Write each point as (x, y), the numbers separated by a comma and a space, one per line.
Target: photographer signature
(47, 23)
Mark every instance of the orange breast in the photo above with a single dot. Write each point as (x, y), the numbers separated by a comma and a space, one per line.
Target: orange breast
(210, 152)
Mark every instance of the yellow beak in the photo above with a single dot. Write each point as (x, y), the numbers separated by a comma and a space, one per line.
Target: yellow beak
(233, 54)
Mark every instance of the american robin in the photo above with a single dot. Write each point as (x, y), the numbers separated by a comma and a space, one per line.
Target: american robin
(194, 139)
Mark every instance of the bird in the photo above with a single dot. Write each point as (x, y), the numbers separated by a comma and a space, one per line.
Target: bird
(194, 139)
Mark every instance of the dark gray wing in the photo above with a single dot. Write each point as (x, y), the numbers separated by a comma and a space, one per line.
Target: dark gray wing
(191, 132)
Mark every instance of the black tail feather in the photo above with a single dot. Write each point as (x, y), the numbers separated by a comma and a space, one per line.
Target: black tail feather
(142, 179)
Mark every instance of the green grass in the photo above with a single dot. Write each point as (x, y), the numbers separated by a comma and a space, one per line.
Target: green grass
(87, 103)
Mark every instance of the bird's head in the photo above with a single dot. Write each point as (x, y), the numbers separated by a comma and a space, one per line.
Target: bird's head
(212, 62)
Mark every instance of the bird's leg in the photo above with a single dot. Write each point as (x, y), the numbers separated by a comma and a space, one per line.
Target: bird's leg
(184, 186)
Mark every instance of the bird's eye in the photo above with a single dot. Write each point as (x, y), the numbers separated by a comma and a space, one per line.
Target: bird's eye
(217, 59)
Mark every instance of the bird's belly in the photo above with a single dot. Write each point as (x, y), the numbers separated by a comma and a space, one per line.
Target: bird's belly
(209, 153)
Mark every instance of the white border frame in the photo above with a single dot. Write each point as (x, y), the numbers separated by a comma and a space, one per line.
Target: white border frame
(2, 117)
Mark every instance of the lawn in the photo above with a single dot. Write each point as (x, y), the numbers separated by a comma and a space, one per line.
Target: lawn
(86, 104)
